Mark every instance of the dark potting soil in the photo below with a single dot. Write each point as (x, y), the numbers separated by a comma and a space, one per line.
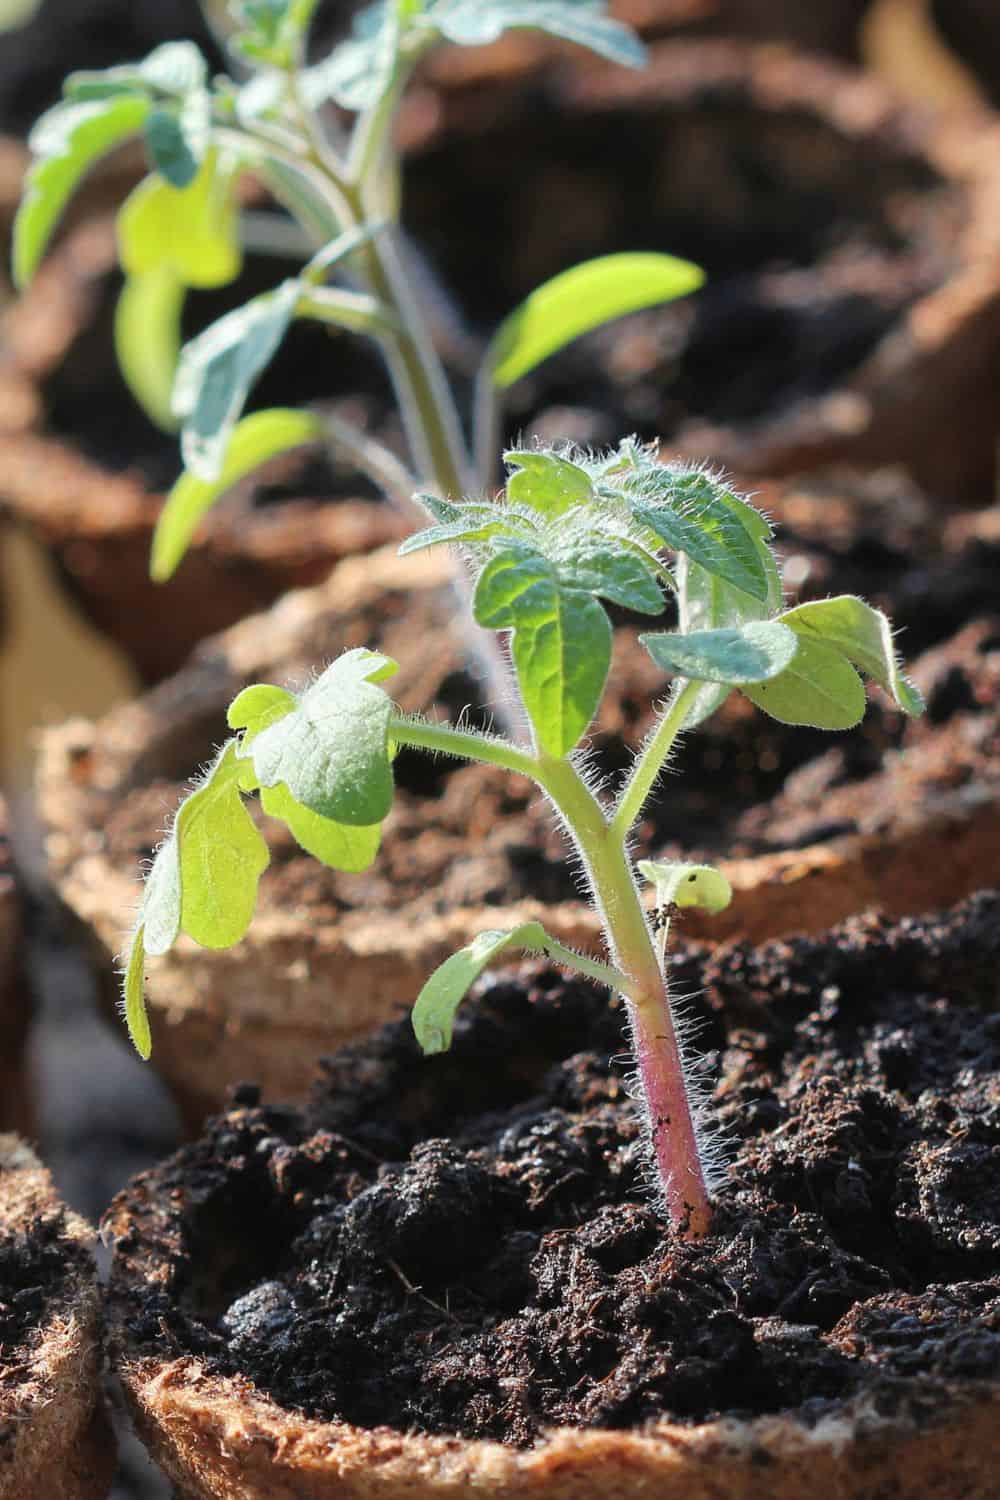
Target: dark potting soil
(36, 1263)
(465, 1244)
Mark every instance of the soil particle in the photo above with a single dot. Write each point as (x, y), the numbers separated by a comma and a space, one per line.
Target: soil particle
(465, 1244)
(35, 1265)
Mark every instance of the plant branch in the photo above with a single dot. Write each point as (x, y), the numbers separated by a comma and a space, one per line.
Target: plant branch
(652, 757)
(466, 744)
(588, 967)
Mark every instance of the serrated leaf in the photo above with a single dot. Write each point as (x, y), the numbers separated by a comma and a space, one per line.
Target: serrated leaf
(148, 340)
(820, 689)
(735, 654)
(134, 996)
(257, 707)
(863, 635)
(684, 885)
(547, 483)
(252, 443)
(218, 369)
(434, 1012)
(337, 845)
(332, 751)
(191, 231)
(561, 644)
(67, 141)
(221, 856)
(579, 300)
(723, 549)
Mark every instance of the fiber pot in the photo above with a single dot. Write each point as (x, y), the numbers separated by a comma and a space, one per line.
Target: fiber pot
(444, 1276)
(55, 1443)
(810, 828)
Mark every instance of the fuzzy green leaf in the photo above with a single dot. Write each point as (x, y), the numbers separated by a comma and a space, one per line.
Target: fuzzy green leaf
(134, 996)
(605, 564)
(735, 654)
(561, 644)
(257, 707)
(148, 340)
(337, 845)
(684, 885)
(332, 750)
(222, 857)
(161, 898)
(193, 231)
(863, 635)
(468, 530)
(547, 483)
(217, 370)
(67, 141)
(253, 442)
(820, 688)
(434, 1012)
(579, 300)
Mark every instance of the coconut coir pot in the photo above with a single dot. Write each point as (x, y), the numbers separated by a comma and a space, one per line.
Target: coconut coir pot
(444, 1275)
(811, 833)
(55, 1443)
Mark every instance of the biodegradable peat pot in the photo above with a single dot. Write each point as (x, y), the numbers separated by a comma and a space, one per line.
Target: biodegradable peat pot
(859, 825)
(444, 1276)
(55, 1443)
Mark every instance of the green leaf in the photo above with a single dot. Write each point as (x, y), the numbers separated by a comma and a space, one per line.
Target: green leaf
(332, 750)
(191, 231)
(67, 141)
(456, 533)
(547, 483)
(14, 13)
(217, 370)
(148, 340)
(434, 1012)
(257, 707)
(134, 997)
(222, 857)
(337, 845)
(252, 442)
(820, 689)
(863, 635)
(735, 654)
(561, 644)
(687, 885)
(579, 300)
(161, 898)
(471, 23)
(177, 139)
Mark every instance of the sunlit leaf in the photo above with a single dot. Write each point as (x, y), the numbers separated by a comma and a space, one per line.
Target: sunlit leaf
(191, 231)
(257, 707)
(863, 635)
(820, 688)
(252, 443)
(332, 750)
(134, 996)
(434, 1012)
(338, 845)
(67, 141)
(735, 654)
(148, 340)
(581, 299)
(684, 885)
(546, 482)
(222, 857)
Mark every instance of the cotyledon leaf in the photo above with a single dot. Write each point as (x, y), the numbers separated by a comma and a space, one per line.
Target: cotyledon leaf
(332, 750)
(819, 688)
(737, 654)
(253, 442)
(434, 1012)
(148, 340)
(685, 885)
(863, 635)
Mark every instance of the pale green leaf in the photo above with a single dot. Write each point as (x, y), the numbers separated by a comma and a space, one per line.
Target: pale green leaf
(258, 706)
(191, 231)
(67, 141)
(547, 483)
(134, 996)
(820, 688)
(863, 635)
(473, 23)
(740, 654)
(581, 299)
(561, 644)
(332, 750)
(684, 885)
(148, 340)
(434, 1012)
(160, 913)
(218, 369)
(221, 857)
(252, 442)
(337, 845)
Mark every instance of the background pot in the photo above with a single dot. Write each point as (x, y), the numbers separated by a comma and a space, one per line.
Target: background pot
(858, 825)
(56, 1442)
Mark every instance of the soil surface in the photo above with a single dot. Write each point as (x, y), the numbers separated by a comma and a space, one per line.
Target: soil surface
(465, 1244)
(36, 1265)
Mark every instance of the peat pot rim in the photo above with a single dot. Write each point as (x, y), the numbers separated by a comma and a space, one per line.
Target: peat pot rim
(62, 1449)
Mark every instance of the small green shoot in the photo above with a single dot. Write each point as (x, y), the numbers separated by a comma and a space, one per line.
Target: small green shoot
(570, 533)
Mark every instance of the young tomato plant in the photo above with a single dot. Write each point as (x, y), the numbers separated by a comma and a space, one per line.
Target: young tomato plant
(570, 533)
(182, 228)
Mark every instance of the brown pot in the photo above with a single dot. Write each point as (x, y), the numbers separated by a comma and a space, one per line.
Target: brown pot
(918, 828)
(56, 1443)
(353, 1183)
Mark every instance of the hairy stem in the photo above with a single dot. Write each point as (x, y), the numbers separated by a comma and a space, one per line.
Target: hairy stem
(466, 744)
(667, 1104)
(650, 762)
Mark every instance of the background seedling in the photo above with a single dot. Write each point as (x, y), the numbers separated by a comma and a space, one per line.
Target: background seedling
(570, 533)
